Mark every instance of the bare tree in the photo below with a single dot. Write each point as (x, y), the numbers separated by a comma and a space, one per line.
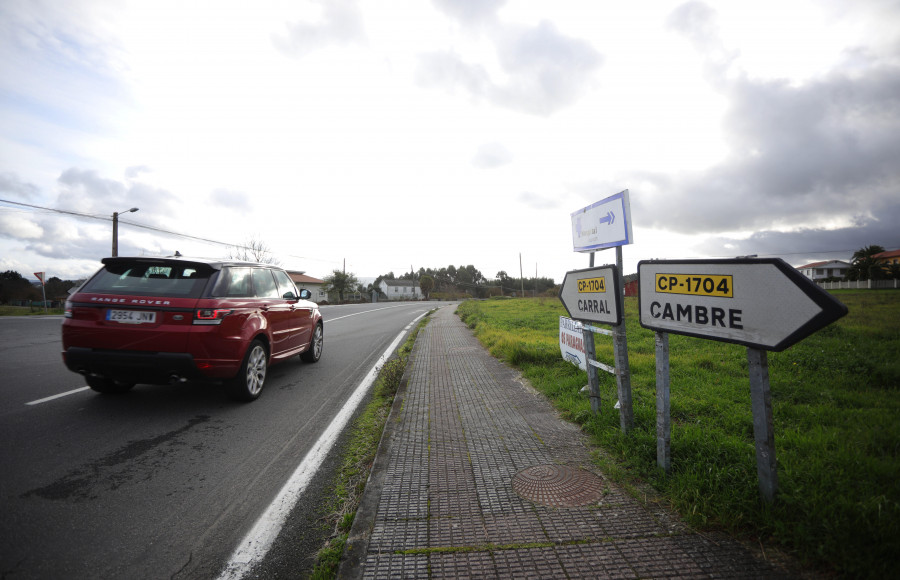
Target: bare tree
(254, 250)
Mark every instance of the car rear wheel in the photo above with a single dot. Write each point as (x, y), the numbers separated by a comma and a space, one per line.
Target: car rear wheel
(105, 385)
(248, 383)
(314, 352)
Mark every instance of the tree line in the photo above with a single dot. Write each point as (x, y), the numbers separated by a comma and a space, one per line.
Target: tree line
(16, 288)
(449, 283)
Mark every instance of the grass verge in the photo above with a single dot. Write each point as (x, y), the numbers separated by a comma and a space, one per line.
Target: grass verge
(835, 402)
(358, 456)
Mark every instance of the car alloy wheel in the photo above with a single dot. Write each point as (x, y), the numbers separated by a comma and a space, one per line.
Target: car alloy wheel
(314, 352)
(248, 383)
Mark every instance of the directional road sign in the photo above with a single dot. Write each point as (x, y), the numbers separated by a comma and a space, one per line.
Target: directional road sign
(762, 303)
(605, 224)
(593, 294)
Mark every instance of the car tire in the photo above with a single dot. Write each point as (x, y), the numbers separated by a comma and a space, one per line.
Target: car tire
(314, 352)
(107, 386)
(248, 384)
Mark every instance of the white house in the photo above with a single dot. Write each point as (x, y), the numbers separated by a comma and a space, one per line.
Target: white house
(401, 290)
(820, 270)
(314, 285)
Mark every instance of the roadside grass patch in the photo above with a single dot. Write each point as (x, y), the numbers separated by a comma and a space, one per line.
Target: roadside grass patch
(358, 456)
(835, 397)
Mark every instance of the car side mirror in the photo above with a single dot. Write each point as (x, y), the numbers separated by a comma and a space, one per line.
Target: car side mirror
(305, 294)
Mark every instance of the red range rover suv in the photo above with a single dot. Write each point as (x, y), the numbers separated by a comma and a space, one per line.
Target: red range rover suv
(165, 320)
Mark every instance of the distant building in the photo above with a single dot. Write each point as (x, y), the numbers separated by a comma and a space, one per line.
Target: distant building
(887, 258)
(631, 284)
(401, 290)
(822, 270)
(314, 285)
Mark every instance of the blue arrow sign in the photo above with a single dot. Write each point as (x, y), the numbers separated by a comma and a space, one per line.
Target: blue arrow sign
(604, 224)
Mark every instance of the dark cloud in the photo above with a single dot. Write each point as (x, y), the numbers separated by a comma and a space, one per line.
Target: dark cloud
(491, 155)
(84, 188)
(65, 240)
(807, 245)
(801, 155)
(341, 24)
(86, 192)
(545, 70)
(10, 183)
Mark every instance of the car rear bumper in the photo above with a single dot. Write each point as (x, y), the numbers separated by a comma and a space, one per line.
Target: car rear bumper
(133, 366)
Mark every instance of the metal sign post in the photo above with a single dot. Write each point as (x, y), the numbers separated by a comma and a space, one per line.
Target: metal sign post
(663, 417)
(764, 304)
(593, 373)
(593, 295)
(620, 350)
(763, 430)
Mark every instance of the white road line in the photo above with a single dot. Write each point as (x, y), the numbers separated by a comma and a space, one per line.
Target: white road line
(364, 312)
(253, 548)
(67, 393)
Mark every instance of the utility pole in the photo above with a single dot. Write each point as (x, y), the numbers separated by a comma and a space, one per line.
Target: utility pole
(115, 232)
(521, 275)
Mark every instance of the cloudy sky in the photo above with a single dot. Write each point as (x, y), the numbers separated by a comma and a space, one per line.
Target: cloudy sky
(426, 133)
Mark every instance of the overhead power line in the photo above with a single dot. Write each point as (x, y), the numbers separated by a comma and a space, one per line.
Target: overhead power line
(146, 227)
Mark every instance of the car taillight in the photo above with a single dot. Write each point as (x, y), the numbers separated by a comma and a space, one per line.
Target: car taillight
(68, 309)
(210, 316)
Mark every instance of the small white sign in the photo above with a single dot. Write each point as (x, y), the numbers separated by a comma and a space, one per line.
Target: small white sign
(571, 342)
(605, 224)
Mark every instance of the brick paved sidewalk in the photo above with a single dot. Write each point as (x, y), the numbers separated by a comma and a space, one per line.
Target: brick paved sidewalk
(441, 503)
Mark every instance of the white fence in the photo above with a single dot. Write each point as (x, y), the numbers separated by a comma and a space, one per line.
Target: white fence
(868, 284)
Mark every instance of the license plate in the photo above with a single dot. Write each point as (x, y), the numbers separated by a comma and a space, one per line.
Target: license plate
(131, 316)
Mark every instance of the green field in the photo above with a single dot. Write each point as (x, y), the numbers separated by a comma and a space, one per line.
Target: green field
(836, 405)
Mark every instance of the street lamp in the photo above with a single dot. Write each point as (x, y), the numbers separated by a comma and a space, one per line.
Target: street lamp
(115, 241)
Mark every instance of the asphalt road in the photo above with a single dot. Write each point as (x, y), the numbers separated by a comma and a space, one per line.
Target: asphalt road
(164, 481)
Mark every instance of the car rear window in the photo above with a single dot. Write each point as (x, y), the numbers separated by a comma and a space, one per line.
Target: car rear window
(246, 283)
(143, 279)
(234, 283)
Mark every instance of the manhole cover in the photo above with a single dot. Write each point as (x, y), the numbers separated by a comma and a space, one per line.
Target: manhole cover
(558, 486)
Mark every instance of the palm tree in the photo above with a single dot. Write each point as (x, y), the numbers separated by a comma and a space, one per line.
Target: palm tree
(863, 266)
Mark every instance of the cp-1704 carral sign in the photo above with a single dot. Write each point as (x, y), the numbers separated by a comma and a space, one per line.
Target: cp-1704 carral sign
(761, 303)
(593, 294)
